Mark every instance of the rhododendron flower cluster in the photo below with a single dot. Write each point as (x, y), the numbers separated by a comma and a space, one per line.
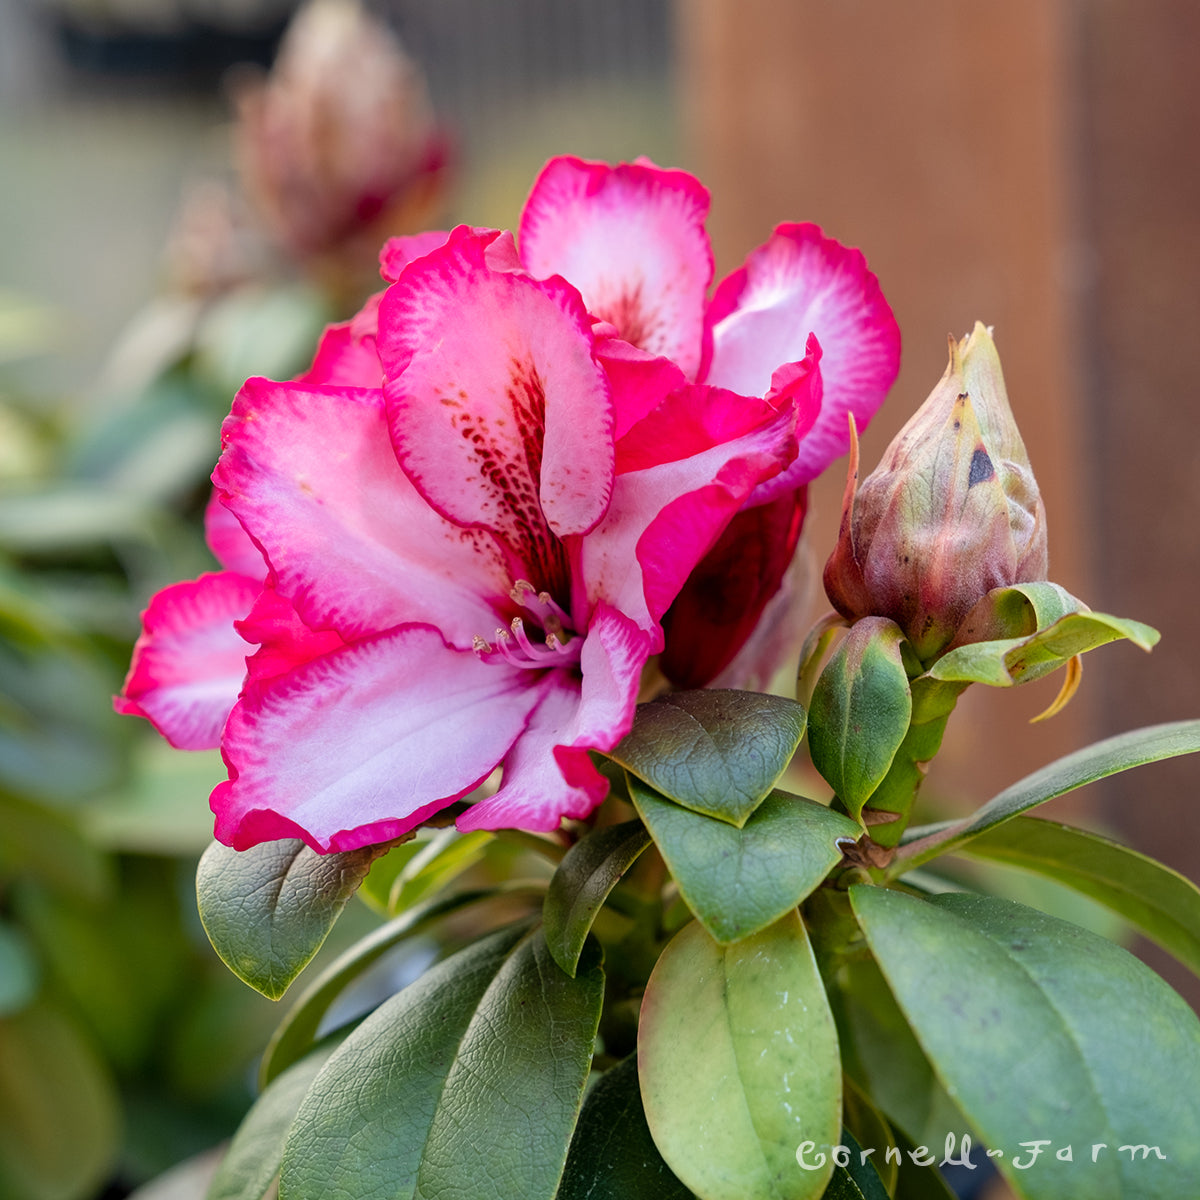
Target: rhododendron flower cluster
(455, 543)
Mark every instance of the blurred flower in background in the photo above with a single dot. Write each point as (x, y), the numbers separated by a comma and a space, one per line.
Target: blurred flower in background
(338, 146)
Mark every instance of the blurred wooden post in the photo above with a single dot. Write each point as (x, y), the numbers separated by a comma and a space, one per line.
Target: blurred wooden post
(1141, 155)
(933, 135)
(1034, 164)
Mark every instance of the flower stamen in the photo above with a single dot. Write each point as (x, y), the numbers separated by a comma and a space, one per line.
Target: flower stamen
(550, 615)
(525, 652)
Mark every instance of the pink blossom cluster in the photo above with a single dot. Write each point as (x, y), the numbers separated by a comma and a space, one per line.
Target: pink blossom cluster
(526, 468)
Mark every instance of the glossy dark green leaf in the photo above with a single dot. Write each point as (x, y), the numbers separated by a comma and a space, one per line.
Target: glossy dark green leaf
(869, 1128)
(613, 1156)
(1163, 904)
(59, 1122)
(254, 1155)
(578, 889)
(860, 711)
(297, 1032)
(467, 1083)
(1097, 761)
(854, 1178)
(738, 881)
(917, 1178)
(267, 910)
(739, 1064)
(713, 751)
(1044, 1032)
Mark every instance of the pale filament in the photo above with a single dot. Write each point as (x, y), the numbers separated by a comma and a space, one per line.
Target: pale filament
(514, 646)
(550, 615)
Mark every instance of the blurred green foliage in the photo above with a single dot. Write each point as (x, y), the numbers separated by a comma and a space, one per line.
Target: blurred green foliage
(125, 1045)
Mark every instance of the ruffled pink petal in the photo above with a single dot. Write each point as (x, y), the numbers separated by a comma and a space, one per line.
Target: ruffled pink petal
(230, 543)
(311, 474)
(347, 353)
(638, 380)
(499, 413)
(631, 238)
(358, 746)
(802, 282)
(534, 794)
(284, 641)
(398, 252)
(683, 473)
(720, 604)
(189, 663)
(801, 384)
(548, 774)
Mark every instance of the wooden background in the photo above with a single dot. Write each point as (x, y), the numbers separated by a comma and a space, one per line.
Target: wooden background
(1034, 164)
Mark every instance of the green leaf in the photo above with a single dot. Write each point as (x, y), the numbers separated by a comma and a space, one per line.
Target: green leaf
(1011, 661)
(816, 644)
(440, 861)
(612, 1155)
(869, 1128)
(881, 1054)
(1163, 904)
(738, 881)
(919, 1182)
(376, 889)
(267, 910)
(578, 889)
(1018, 611)
(297, 1031)
(1043, 1031)
(1101, 759)
(860, 711)
(253, 1159)
(59, 1122)
(932, 704)
(715, 752)
(466, 1083)
(857, 1180)
(68, 516)
(739, 1063)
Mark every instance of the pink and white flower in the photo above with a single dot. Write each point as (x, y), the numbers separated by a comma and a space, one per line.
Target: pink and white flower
(631, 238)
(459, 534)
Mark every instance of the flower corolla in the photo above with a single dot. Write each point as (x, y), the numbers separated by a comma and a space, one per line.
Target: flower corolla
(458, 536)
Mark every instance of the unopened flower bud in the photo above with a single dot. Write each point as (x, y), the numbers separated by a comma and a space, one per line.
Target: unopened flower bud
(951, 511)
(338, 145)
